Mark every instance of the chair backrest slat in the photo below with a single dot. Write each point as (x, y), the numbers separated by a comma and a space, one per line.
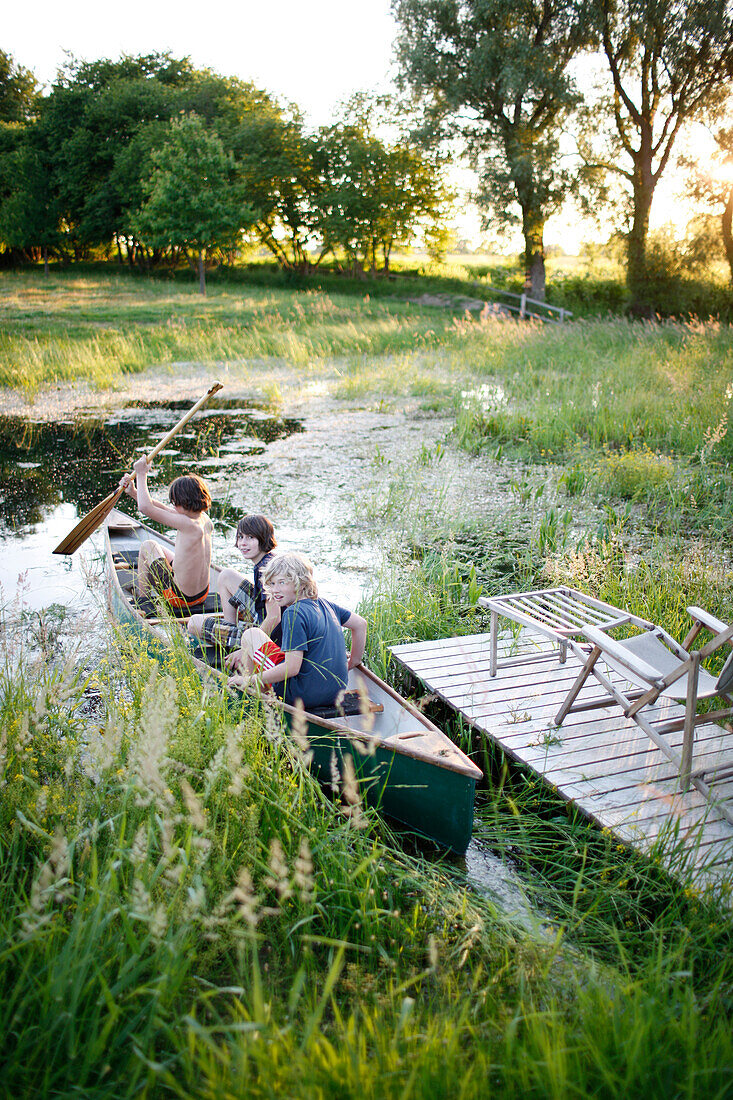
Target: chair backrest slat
(725, 680)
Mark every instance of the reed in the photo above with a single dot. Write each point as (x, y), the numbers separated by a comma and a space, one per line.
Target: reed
(212, 921)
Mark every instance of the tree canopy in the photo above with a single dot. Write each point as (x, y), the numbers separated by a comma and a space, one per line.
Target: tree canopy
(669, 62)
(496, 73)
(97, 161)
(192, 199)
(19, 92)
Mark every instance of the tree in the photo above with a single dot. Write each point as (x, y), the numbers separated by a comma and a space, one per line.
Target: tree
(495, 73)
(97, 112)
(714, 187)
(670, 62)
(375, 192)
(29, 216)
(192, 199)
(19, 93)
(276, 163)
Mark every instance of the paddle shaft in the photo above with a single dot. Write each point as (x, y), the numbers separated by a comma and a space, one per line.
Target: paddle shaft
(91, 521)
(182, 422)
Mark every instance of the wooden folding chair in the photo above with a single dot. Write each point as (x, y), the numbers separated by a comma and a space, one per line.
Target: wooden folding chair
(658, 667)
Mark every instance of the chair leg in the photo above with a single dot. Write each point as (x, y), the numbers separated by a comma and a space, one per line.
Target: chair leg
(688, 735)
(575, 689)
(493, 642)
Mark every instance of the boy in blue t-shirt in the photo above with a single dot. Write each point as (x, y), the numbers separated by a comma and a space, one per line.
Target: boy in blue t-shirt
(311, 662)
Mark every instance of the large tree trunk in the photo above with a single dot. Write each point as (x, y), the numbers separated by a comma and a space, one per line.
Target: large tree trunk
(202, 271)
(533, 226)
(727, 225)
(641, 304)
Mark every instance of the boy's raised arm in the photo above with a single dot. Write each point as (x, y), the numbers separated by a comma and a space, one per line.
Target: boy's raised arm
(154, 509)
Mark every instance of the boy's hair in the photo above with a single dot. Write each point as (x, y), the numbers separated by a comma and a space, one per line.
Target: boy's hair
(190, 492)
(296, 568)
(257, 527)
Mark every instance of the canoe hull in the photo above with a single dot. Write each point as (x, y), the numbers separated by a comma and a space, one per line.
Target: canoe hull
(435, 802)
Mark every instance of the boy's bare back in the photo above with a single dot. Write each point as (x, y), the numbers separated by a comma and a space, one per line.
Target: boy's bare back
(192, 554)
(191, 558)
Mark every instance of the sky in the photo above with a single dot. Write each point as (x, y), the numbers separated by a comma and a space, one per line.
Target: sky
(313, 52)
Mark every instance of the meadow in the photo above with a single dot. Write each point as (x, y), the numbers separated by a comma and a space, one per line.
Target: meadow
(185, 912)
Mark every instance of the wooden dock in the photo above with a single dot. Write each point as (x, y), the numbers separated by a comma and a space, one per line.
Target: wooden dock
(598, 760)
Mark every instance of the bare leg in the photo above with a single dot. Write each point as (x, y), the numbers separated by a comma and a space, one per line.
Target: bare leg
(150, 551)
(195, 625)
(252, 639)
(228, 583)
(241, 662)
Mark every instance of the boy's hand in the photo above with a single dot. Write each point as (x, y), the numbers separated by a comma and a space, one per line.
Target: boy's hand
(125, 482)
(244, 681)
(234, 660)
(273, 615)
(142, 466)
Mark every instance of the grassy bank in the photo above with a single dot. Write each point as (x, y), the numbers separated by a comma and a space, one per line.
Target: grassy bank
(98, 328)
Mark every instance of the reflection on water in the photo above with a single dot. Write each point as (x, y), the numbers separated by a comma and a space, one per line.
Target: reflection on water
(489, 875)
(27, 568)
(79, 461)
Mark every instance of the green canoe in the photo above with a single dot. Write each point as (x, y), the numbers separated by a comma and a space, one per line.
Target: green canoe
(404, 764)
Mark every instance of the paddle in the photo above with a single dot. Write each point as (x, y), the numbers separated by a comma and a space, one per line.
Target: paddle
(91, 521)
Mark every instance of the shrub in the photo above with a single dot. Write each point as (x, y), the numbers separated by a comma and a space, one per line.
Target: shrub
(632, 474)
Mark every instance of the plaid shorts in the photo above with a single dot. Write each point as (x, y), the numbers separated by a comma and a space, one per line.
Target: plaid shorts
(229, 635)
(224, 635)
(244, 601)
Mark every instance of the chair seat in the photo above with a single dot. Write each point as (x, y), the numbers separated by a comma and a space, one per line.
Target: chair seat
(651, 649)
(645, 662)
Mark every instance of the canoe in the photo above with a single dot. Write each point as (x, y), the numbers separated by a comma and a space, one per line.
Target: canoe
(405, 766)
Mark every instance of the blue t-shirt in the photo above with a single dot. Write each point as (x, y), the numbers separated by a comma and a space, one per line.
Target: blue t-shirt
(314, 627)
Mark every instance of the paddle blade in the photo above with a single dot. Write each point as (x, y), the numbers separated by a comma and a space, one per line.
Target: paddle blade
(88, 524)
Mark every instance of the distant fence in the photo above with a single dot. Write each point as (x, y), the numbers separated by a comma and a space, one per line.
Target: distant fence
(530, 307)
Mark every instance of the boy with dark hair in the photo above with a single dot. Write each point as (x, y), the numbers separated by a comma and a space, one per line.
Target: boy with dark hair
(310, 663)
(180, 575)
(243, 601)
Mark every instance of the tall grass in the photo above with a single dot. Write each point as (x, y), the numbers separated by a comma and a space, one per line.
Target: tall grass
(99, 328)
(185, 912)
(200, 918)
(612, 384)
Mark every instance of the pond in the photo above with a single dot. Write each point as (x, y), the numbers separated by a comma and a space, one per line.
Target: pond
(338, 483)
(55, 472)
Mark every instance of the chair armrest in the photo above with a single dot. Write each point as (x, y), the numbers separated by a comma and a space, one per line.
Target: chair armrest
(617, 652)
(715, 626)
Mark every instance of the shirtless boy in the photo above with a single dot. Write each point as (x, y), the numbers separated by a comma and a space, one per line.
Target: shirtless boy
(181, 575)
